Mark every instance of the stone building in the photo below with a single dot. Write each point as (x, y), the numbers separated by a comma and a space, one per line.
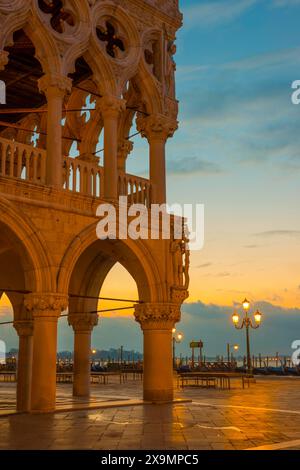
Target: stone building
(55, 56)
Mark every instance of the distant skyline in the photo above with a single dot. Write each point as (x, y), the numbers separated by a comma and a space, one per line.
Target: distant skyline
(236, 151)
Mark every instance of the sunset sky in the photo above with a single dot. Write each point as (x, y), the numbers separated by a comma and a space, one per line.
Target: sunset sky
(238, 152)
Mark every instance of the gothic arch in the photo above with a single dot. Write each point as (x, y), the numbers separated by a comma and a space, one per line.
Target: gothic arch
(28, 246)
(42, 40)
(88, 254)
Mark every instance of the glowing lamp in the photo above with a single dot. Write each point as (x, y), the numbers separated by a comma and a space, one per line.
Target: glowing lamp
(235, 318)
(257, 317)
(246, 304)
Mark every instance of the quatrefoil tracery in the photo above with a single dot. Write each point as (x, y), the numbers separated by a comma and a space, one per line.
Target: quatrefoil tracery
(59, 16)
(114, 44)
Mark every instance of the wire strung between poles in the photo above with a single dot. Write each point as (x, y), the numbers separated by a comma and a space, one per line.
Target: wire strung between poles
(77, 296)
(81, 313)
(15, 126)
(39, 111)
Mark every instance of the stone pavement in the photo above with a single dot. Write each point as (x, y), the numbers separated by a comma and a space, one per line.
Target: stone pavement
(267, 416)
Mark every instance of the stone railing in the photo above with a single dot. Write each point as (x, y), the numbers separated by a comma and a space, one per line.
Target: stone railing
(22, 161)
(28, 163)
(83, 177)
(137, 189)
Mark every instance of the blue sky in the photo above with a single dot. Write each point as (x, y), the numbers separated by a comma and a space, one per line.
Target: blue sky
(237, 151)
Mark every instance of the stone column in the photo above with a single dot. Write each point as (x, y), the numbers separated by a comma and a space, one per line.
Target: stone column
(4, 57)
(83, 325)
(24, 329)
(111, 107)
(46, 309)
(157, 322)
(125, 147)
(54, 87)
(157, 129)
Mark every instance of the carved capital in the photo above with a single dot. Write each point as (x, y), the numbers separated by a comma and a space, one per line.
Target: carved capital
(157, 316)
(125, 147)
(111, 107)
(83, 322)
(156, 127)
(55, 84)
(46, 304)
(3, 59)
(179, 294)
(24, 327)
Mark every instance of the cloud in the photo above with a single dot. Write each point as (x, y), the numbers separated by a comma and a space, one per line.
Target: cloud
(251, 246)
(279, 233)
(192, 165)
(242, 111)
(204, 265)
(212, 323)
(215, 13)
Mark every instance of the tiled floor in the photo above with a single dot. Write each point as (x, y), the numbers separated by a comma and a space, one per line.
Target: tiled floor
(266, 415)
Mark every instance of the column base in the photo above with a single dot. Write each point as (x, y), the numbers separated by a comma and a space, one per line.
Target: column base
(158, 396)
(40, 412)
(81, 394)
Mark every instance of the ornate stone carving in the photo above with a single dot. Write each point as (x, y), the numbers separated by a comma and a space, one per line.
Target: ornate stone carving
(46, 304)
(170, 70)
(111, 106)
(179, 294)
(170, 7)
(60, 18)
(124, 149)
(83, 322)
(180, 262)
(24, 327)
(54, 81)
(157, 316)
(156, 127)
(8, 6)
(114, 43)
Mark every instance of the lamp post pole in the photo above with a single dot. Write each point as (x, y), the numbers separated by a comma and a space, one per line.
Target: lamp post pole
(177, 338)
(230, 356)
(247, 323)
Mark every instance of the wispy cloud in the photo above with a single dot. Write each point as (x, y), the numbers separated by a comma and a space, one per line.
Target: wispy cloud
(215, 13)
(205, 265)
(279, 233)
(192, 165)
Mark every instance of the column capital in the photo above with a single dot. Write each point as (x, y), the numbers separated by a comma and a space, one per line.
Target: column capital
(83, 322)
(46, 304)
(125, 147)
(157, 316)
(55, 83)
(24, 327)
(156, 127)
(3, 59)
(111, 106)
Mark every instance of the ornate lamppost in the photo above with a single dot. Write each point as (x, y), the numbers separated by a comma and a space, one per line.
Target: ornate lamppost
(247, 323)
(177, 338)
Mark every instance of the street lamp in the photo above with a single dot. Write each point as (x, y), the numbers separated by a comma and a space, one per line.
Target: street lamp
(247, 323)
(176, 339)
